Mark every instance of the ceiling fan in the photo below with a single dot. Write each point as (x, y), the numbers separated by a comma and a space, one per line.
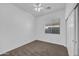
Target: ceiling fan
(38, 7)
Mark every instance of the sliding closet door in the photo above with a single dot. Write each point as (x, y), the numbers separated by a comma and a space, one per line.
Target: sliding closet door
(72, 27)
(70, 23)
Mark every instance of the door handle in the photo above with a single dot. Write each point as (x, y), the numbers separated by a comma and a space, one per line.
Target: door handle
(74, 41)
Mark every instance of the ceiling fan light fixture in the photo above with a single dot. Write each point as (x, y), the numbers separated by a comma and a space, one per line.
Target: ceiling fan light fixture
(38, 7)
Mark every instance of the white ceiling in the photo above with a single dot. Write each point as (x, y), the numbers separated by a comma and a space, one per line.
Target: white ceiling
(28, 7)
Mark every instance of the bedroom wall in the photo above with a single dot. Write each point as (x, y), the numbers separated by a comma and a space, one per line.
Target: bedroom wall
(52, 38)
(16, 27)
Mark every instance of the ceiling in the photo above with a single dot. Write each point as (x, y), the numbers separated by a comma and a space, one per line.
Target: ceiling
(28, 7)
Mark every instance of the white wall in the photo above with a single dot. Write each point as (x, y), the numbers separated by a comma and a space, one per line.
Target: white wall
(50, 18)
(68, 8)
(16, 27)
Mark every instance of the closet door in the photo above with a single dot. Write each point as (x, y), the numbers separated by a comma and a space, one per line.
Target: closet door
(70, 23)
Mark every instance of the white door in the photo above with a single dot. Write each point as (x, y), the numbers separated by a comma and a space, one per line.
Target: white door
(71, 34)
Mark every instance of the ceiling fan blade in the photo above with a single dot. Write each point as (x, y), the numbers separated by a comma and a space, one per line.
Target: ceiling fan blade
(37, 5)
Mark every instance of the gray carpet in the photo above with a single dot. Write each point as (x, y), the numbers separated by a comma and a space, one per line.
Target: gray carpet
(38, 48)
